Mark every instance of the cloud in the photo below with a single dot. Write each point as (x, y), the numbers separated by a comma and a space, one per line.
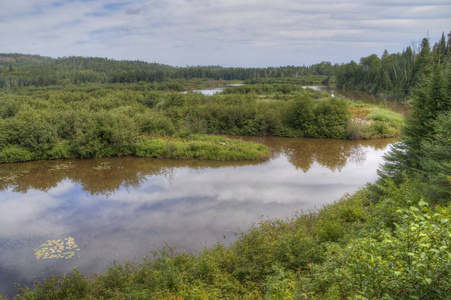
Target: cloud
(224, 32)
(133, 11)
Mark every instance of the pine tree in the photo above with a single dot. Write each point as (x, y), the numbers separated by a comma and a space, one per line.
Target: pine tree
(417, 153)
(436, 163)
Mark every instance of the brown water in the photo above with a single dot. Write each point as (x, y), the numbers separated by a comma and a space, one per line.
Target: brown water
(113, 209)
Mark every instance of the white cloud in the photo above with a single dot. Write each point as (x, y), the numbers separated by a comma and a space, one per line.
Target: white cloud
(230, 33)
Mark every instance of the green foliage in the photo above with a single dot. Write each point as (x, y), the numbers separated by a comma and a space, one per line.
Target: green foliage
(331, 119)
(280, 285)
(338, 219)
(70, 286)
(436, 164)
(379, 123)
(393, 75)
(202, 147)
(426, 131)
(99, 120)
(32, 130)
(322, 119)
(385, 115)
(19, 70)
(301, 114)
(410, 262)
(14, 154)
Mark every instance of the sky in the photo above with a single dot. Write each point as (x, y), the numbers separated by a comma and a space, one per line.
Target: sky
(229, 33)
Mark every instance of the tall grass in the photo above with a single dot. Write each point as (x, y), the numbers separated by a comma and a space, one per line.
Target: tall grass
(375, 123)
(201, 147)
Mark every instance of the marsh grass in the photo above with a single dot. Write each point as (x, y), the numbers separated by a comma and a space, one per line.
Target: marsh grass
(201, 147)
(371, 122)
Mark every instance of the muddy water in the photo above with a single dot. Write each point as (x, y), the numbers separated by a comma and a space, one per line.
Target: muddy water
(56, 215)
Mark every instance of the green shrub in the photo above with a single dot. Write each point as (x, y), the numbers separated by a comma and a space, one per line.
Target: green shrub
(280, 285)
(337, 220)
(331, 119)
(151, 148)
(60, 150)
(70, 286)
(14, 154)
(412, 262)
(301, 115)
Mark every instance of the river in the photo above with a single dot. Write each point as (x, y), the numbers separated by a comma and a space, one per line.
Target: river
(57, 215)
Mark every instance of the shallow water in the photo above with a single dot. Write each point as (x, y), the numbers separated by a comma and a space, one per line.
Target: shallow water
(121, 208)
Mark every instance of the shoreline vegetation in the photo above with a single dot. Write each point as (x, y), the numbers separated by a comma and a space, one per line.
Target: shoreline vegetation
(97, 120)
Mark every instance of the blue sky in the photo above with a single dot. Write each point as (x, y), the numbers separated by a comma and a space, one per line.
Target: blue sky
(220, 32)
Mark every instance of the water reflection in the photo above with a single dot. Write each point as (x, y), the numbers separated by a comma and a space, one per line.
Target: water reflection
(120, 208)
(105, 176)
(97, 176)
(332, 154)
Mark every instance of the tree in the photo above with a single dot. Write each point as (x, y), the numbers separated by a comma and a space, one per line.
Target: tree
(426, 128)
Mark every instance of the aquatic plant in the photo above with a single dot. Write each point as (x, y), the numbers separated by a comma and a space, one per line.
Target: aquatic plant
(61, 248)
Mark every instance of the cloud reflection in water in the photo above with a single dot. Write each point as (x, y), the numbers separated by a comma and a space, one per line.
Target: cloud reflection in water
(137, 205)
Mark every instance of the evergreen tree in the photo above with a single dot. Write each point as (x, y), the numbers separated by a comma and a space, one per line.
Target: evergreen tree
(436, 164)
(418, 153)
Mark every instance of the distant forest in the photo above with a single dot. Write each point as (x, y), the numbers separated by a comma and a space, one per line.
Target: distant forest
(391, 75)
(19, 70)
(394, 75)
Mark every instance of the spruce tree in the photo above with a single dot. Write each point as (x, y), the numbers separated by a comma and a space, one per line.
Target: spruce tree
(418, 154)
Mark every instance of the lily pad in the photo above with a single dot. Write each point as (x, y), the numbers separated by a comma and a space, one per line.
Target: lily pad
(61, 248)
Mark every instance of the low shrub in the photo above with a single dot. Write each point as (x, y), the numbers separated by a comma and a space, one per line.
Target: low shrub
(15, 154)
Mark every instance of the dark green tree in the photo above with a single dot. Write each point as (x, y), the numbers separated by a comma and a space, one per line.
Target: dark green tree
(436, 164)
(423, 133)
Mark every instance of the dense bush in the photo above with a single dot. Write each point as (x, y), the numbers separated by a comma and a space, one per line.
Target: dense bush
(104, 122)
(101, 120)
(14, 154)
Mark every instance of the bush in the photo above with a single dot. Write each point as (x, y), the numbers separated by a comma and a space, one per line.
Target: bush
(301, 114)
(14, 154)
(410, 262)
(331, 119)
(155, 148)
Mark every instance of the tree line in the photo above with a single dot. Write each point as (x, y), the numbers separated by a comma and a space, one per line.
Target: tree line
(18, 70)
(390, 75)
(393, 75)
